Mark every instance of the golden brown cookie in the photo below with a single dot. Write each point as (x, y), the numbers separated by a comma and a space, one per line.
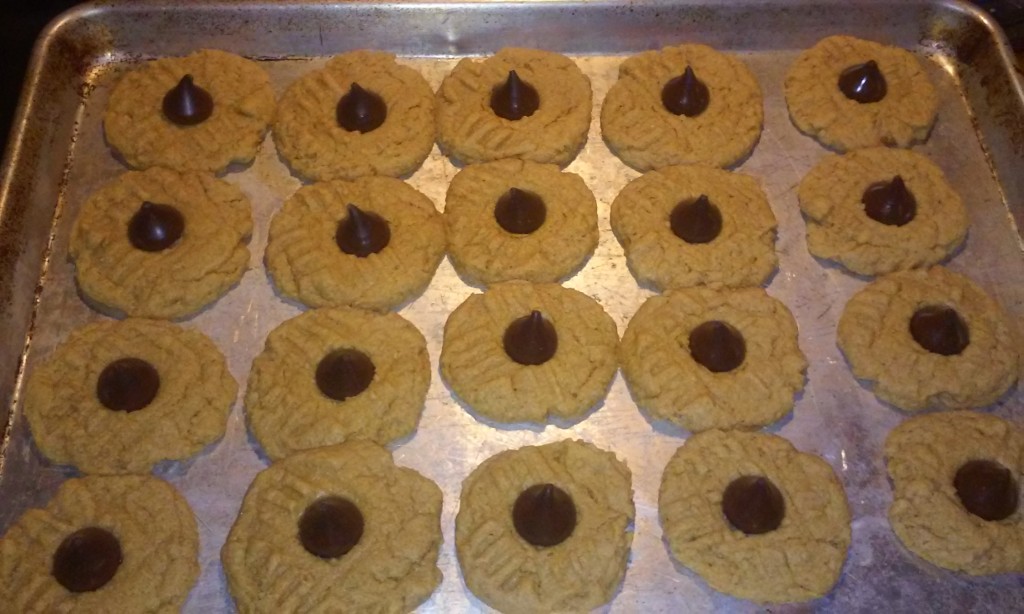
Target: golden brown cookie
(929, 338)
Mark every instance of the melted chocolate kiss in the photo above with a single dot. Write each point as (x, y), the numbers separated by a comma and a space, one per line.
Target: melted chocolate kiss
(753, 505)
(362, 233)
(361, 110)
(685, 95)
(86, 560)
(696, 221)
(986, 489)
(718, 346)
(154, 228)
(544, 515)
(128, 384)
(187, 104)
(890, 203)
(330, 527)
(514, 99)
(939, 330)
(520, 212)
(344, 373)
(531, 340)
(863, 83)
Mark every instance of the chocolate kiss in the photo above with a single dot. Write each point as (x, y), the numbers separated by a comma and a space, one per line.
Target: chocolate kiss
(698, 221)
(155, 227)
(87, 560)
(187, 104)
(544, 515)
(986, 489)
(520, 212)
(890, 203)
(514, 99)
(362, 233)
(531, 340)
(863, 83)
(685, 95)
(361, 110)
(940, 330)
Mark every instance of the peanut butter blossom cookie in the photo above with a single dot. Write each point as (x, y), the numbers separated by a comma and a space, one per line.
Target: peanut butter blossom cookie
(160, 244)
(118, 397)
(929, 339)
(850, 93)
(518, 103)
(102, 544)
(687, 104)
(523, 352)
(956, 480)
(706, 359)
(372, 243)
(201, 112)
(754, 517)
(515, 219)
(335, 529)
(330, 375)
(361, 114)
(684, 226)
(546, 528)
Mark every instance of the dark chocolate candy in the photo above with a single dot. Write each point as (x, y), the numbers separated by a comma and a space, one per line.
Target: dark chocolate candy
(696, 221)
(344, 373)
(187, 104)
(544, 515)
(685, 95)
(514, 99)
(330, 527)
(362, 233)
(520, 212)
(86, 560)
(361, 110)
(127, 384)
(753, 504)
(531, 340)
(863, 83)
(889, 202)
(717, 346)
(986, 489)
(155, 228)
(940, 330)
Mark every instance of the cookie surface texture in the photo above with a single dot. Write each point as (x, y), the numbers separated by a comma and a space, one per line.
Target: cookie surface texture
(317, 147)
(819, 108)
(576, 575)
(875, 335)
(207, 259)
(742, 252)
(641, 131)
(392, 567)
(289, 410)
(800, 559)
(155, 532)
(839, 227)
(243, 106)
(307, 263)
(477, 367)
(72, 425)
(668, 382)
(470, 130)
(924, 455)
(481, 248)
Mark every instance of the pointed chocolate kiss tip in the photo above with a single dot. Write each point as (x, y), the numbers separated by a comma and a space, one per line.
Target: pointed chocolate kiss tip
(514, 99)
(187, 104)
(360, 110)
(685, 95)
(362, 233)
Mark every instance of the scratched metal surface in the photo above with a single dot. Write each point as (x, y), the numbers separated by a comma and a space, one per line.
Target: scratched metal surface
(834, 416)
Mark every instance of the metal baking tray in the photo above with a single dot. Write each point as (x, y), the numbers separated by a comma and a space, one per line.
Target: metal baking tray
(57, 157)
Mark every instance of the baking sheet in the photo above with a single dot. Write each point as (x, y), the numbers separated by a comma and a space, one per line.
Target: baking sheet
(834, 416)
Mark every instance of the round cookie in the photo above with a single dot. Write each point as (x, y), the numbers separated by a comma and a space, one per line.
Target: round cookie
(552, 129)
(308, 263)
(546, 528)
(754, 517)
(361, 114)
(160, 244)
(523, 352)
(497, 235)
(118, 397)
(860, 215)
(673, 238)
(902, 116)
(933, 460)
(706, 359)
(337, 529)
(974, 358)
(218, 118)
(330, 375)
(102, 544)
(718, 126)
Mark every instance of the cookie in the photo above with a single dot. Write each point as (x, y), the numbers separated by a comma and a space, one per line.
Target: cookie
(361, 114)
(929, 338)
(330, 375)
(523, 352)
(372, 243)
(881, 210)
(118, 397)
(687, 104)
(684, 226)
(850, 93)
(546, 528)
(335, 529)
(754, 517)
(515, 219)
(956, 491)
(705, 359)
(102, 544)
(201, 112)
(518, 103)
(160, 244)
